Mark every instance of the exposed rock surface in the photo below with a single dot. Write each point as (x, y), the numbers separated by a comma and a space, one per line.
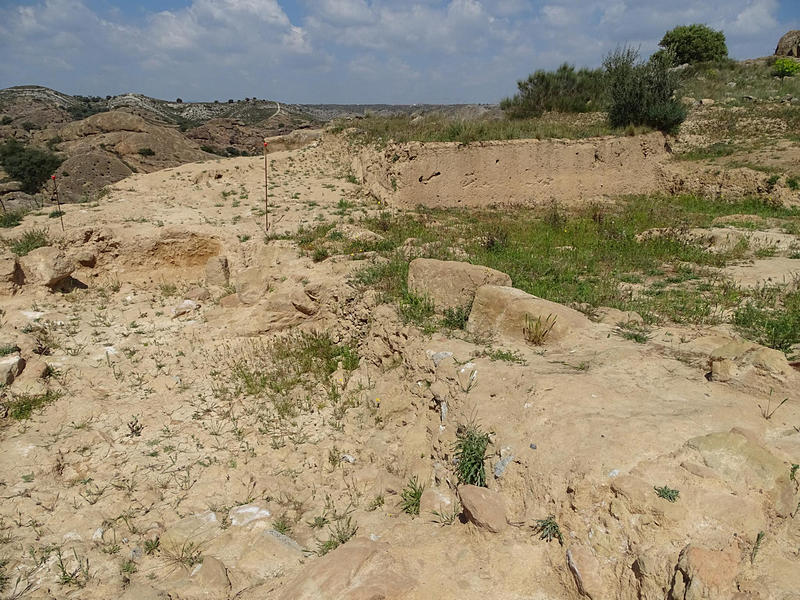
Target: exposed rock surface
(789, 44)
(48, 266)
(483, 507)
(450, 284)
(502, 311)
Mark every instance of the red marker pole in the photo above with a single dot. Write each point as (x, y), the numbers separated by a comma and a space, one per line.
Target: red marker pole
(266, 189)
(58, 201)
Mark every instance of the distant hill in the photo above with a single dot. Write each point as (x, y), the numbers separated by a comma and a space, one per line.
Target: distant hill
(105, 139)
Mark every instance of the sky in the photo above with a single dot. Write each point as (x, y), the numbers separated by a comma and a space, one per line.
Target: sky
(346, 51)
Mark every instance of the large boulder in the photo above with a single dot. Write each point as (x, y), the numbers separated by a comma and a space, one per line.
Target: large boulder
(705, 573)
(505, 312)
(789, 44)
(483, 507)
(451, 284)
(47, 266)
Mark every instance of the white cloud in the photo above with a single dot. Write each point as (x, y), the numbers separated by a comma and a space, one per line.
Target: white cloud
(346, 50)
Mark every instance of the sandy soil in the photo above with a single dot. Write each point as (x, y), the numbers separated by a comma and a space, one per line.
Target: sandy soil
(155, 474)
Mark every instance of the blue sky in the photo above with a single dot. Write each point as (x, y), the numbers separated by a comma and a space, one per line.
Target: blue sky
(347, 51)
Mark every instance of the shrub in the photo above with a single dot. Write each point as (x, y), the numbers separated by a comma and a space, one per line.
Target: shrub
(786, 67)
(146, 152)
(30, 166)
(562, 90)
(11, 219)
(694, 43)
(6, 120)
(643, 93)
(410, 496)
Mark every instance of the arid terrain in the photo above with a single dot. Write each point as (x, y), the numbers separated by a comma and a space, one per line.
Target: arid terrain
(443, 371)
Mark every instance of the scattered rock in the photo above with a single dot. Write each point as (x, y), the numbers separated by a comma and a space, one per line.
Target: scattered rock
(702, 573)
(46, 266)
(483, 507)
(10, 368)
(434, 500)
(450, 284)
(707, 102)
(185, 307)
(208, 579)
(585, 569)
(502, 311)
(198, 294)
(217, 271)
(247, 513)
(614, 316)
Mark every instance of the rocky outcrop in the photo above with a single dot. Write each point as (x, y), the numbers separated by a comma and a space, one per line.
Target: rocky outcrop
(450, 284)
(46, 266)
(789, 44)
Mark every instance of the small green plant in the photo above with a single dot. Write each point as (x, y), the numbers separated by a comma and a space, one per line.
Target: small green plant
(167, 289)
(340, 533)
(152, 546)
(128, 567)
(146, 152)
(456, 318)
(188, 555)
(636, 332)
(21, 406)
(29, 241)
(411, 495)
(78, 575)
(243, 237)
(785, 67)
(793, 183)
(8, 349)
(536, 331)
(375, 503)
(56, 214)
(772, 181)
(511, 356)
(11, 219)
(415, 309)
(757, 546)
(470, 455)
(447, 516)
(318, 522)
(768, 410)
(667, 493)
(793, 473)
(282, 525)
(320, 253)
(548, 530)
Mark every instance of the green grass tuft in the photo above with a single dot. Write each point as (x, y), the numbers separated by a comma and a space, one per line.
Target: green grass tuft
(470, 455)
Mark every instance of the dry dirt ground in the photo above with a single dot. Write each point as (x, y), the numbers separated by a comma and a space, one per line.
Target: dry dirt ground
(193, 437)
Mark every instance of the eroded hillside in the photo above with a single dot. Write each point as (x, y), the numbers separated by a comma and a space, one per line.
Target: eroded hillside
(373, 403)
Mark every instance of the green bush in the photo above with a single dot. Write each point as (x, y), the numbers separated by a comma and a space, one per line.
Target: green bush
(146, 152)
(562, 90)
(29, 241)
(786, 67)
(643, 93)
(694, 43)
(30, 166)
(6, 120)
(470, 454)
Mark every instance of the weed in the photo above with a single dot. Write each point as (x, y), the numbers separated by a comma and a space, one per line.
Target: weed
(456, 318)
(188, 555)
(320, 253)
(548, 530)
(535, 331)
(11, 219)
(8, 349)
(511, 356)
(410, 496)
(146, 152)
(447, 516)
(152, 546)
(793, 183)
(21, 406)
(667, 493)
(282, 525)
(167, 289)
(375, 503)
(29, 241)
(318, 522)
(134, 427)
(243, 237)
(631, 330)
(78, 575)
(415, 309)
(470, 455)
(757, 546)
(340, 533)
(128, 567)
(767, 410)
(56, 214)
